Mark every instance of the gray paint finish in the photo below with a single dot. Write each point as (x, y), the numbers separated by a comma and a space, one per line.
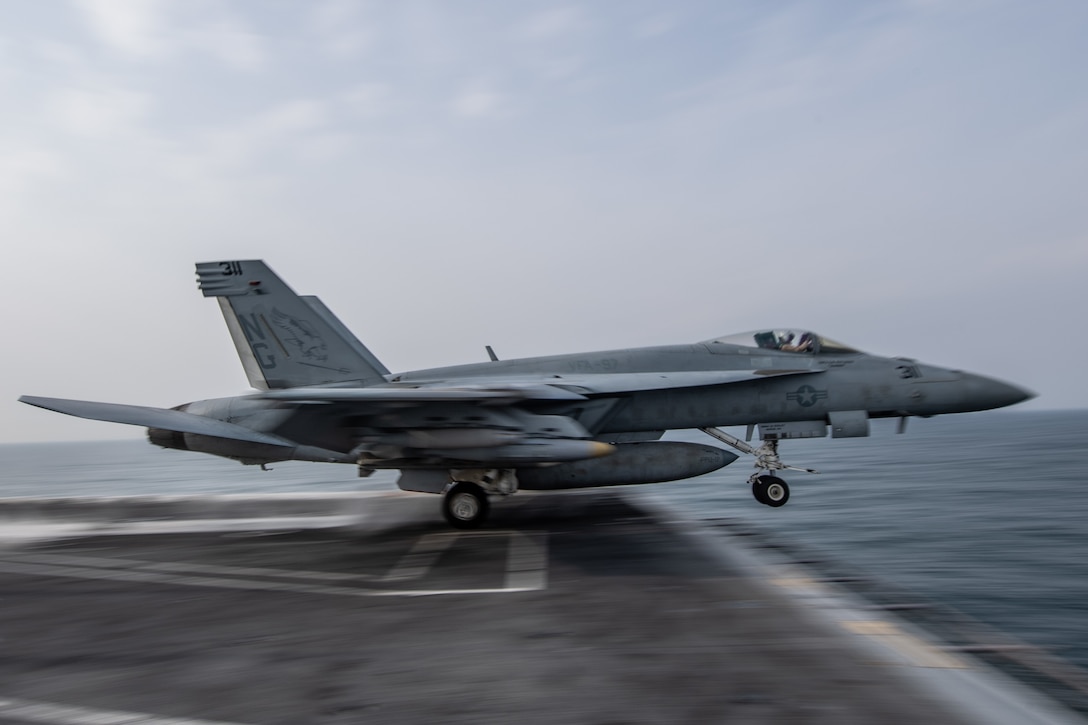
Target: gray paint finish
(552, 422)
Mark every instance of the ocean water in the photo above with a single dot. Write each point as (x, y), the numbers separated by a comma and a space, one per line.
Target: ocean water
(987, 512)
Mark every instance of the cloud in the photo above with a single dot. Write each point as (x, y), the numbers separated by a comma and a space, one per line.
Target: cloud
(478, 101)
(288, 118)
(341, 29)
(97, 113)
(290, 128)
(558, 68)
(62, 54)
(156, 29)
(21, 167)
(553, 23)
(230, 43)
(653, 26)
(368, 100)
(130, 27)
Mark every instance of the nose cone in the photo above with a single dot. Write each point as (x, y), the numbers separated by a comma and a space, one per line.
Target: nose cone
(983, 393)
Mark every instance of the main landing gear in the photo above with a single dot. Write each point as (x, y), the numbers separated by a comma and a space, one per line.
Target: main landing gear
(465, 501)
(768, 489)
(465, 505)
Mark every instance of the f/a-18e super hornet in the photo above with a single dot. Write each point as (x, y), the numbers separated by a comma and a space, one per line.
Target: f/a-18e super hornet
(543, 423)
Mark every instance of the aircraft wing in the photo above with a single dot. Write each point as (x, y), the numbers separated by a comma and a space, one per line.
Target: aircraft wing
(174, 420)
(511, 390)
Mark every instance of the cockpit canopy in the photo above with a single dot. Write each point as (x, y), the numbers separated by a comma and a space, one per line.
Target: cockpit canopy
(785, 340)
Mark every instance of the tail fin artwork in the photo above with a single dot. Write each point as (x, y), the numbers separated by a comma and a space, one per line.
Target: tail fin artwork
(284, 340)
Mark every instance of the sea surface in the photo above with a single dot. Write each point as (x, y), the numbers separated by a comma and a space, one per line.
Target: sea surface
(986, 512)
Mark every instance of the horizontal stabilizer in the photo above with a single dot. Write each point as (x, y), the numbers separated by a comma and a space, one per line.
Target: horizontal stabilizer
(174, 420)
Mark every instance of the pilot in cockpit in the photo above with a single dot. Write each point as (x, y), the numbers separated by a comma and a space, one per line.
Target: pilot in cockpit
(806, 343)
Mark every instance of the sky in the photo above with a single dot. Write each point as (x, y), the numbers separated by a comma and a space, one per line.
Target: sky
(908, 177)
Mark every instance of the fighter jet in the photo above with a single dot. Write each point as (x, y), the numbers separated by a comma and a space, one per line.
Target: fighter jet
(486, 429)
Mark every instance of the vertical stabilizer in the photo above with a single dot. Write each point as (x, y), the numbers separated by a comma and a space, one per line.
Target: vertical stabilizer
(284, 340)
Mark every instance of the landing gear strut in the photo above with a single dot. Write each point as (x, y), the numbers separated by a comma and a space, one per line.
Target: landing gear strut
(767, 488)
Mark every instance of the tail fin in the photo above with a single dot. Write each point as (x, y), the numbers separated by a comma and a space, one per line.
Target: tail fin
(284, 340)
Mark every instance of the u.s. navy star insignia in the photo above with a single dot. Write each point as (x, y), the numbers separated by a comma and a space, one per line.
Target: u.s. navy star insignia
(806, 396)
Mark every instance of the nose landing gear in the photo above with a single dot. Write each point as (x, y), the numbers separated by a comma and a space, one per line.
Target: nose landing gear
(768, 489)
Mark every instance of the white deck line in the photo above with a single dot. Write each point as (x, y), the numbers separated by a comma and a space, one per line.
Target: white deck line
(51, 714)
(525, 570)
(527, 562)
(28, 532)
(182, 567)
(68, 572)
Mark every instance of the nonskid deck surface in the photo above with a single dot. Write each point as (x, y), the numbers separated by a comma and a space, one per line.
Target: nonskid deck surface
(567, 608)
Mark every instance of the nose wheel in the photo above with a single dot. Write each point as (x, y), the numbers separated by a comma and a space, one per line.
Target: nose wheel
(770, 490)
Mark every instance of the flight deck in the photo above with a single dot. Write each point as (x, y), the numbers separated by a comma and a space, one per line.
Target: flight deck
(584, 607)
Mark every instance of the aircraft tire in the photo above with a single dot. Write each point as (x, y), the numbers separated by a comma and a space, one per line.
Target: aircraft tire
(771, 491)
(465, 505)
